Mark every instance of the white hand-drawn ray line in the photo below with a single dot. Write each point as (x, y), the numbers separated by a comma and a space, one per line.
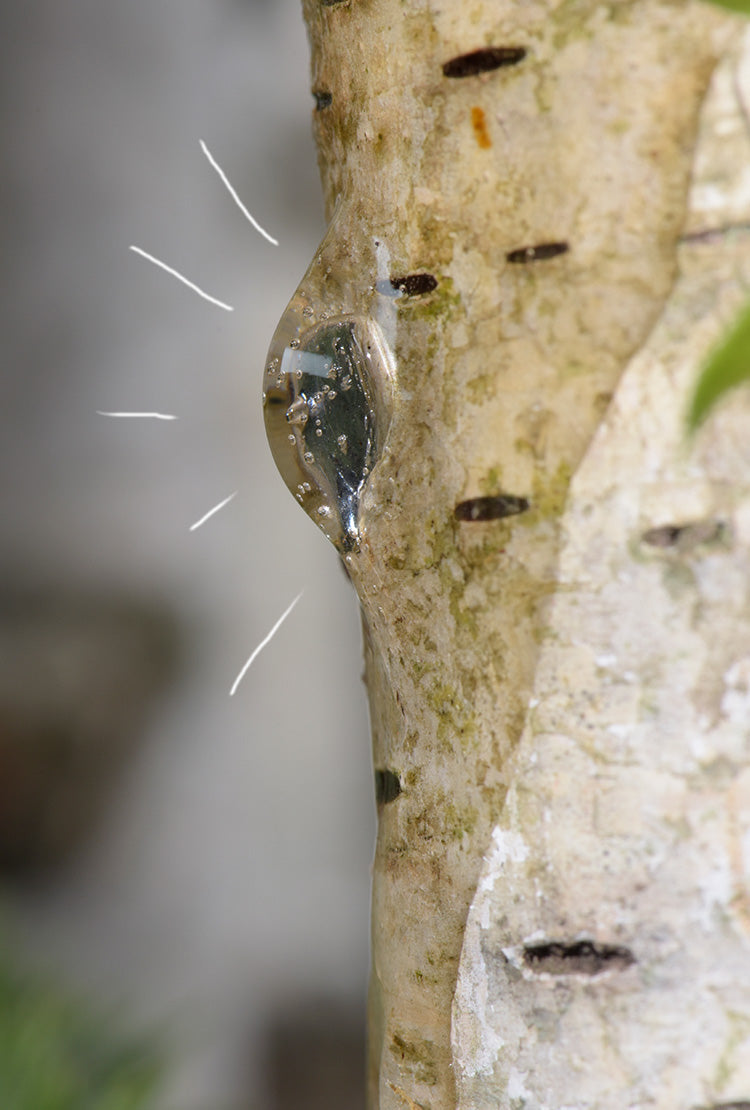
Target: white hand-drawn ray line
(211, 512)
(183, 279)
(263, 643)
(139, 415)
(235, 197)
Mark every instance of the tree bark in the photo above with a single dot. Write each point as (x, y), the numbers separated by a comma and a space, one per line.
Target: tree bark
(554, 590)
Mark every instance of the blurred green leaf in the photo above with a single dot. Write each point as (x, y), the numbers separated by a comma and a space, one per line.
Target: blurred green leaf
(728, 366)
(55, 1054)
(734, 5)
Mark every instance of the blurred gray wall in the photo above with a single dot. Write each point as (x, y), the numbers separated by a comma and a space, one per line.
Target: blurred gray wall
(228, 881)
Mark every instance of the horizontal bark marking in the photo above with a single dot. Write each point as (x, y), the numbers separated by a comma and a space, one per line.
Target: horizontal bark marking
(482, 61)
(387, 786)
(684, 536)
(538, 253)
(480, 509)
(581, 957)
(413, 285)
(744, 1104)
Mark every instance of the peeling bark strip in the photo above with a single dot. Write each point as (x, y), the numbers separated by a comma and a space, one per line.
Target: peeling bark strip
(494, 381)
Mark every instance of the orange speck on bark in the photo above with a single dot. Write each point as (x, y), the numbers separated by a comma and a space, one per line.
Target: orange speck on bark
(479, 123)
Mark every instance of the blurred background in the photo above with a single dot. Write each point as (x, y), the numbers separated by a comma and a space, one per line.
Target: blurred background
(189, 871)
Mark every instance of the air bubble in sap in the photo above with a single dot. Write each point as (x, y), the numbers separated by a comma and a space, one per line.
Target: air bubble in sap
(298, 413)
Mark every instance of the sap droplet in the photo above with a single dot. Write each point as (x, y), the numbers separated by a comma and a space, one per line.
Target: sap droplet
(292, 438)
(341, 428)
(333, 385)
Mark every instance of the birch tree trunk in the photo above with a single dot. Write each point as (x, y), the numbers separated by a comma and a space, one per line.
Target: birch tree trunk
(478, 393)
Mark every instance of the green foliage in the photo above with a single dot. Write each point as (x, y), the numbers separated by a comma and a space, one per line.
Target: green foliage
(734, 5)
(54, 1055)
(727, 366)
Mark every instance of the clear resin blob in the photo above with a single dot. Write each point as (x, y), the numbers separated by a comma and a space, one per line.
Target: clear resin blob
(326, 397)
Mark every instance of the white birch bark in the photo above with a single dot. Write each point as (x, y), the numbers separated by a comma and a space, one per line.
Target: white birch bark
(627, 825)
(556, 702)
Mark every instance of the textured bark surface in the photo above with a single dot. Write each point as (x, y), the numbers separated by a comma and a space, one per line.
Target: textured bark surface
(546, 198)
(607, 953)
